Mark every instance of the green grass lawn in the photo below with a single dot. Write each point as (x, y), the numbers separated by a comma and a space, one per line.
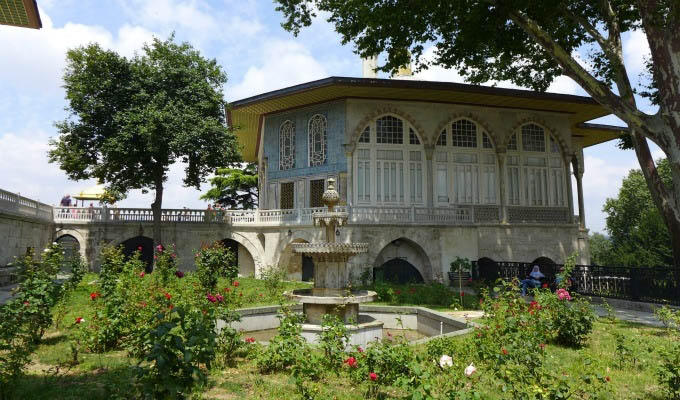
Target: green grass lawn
(110, 375)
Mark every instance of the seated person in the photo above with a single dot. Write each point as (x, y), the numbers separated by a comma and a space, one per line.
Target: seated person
(533, 281)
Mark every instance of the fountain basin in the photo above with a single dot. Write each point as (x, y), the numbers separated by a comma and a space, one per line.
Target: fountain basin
(316, 302)
(417, 324)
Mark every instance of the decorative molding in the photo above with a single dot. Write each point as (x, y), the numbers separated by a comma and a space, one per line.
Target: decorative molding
(472, 117)
(565, 149)
(379, 112)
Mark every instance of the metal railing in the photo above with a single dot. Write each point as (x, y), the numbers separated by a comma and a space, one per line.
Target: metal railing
(649, 284)
(18, 205)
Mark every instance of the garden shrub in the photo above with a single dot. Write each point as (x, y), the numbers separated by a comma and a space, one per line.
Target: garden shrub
(392, 362)
(333, 340)
(25, 318)
(215, 261)
(284, 348)
(178, 343)
(273, 277)
(668, 371)
(570, 321)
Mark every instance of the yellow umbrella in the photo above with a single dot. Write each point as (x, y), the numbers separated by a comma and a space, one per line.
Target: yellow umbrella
(92, 193)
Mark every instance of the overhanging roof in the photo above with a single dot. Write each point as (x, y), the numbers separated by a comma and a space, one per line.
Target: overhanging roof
(247, 113)
(22, 13)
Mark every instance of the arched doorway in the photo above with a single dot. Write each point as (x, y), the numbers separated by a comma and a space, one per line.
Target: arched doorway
(487, 270)
(397, 270)
(71, 248)
(543, 261)
(402, 260)
(146, 244)
(297, 266)
(244, 260)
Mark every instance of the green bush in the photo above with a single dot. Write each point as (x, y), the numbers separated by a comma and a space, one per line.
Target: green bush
(668, 371)
(333, 340)
(215, 261)
(285, 348)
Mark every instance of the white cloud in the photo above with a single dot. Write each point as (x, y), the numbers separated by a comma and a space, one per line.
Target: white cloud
(601, 180)
(635, 50)
(284, 63)
(38, 57)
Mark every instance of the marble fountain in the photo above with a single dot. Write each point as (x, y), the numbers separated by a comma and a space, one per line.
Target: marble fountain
(332, 294)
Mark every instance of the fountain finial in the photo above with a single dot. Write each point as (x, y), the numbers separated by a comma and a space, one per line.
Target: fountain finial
(330, 197)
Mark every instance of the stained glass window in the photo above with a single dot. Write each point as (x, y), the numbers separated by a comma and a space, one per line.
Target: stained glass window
(317, 140)
(287, 145)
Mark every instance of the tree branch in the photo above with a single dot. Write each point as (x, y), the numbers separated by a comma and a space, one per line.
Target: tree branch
(598, 90)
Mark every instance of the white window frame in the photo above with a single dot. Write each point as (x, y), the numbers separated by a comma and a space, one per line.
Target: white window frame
(553, 183)
(401, 171)
(447, 170)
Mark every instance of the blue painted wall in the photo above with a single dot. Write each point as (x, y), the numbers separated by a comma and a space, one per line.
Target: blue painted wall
(335, 154)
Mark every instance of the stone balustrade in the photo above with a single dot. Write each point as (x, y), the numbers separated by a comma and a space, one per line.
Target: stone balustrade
(15, 204)
(460, 215)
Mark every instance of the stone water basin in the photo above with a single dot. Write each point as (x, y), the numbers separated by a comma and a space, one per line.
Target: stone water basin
(416, 324)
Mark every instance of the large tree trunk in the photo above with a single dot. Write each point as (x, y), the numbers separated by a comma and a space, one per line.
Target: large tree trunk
(156, 209)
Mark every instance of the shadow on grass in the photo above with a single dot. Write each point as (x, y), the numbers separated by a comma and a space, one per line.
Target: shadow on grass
(103, 383)
(52, 340)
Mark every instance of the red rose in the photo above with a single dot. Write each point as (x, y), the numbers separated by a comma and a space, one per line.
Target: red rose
(139, 248)
(79, 320)
(505, 352)
(94, 295)
(235, 283)
(167, 296)
(250, 340)
(351, 361)
(211, 298)
(179, 274)
(141, 275)
(226, 289)
(360, 350)
(544, 286)
(462, 294)
(219, 298)
(373, 376)
(171, 306)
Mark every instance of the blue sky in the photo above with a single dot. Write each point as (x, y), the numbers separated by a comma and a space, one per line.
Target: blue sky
(257, 54)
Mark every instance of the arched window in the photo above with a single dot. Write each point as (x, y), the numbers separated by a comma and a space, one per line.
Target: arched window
(465, 166)
(287, 145)
(317, 140)
(389, 164)
(535, 169)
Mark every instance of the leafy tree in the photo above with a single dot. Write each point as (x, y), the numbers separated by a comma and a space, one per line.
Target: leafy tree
(600, 249)
(234, 187)
(531, 43)
(130, 119)
(637, 232)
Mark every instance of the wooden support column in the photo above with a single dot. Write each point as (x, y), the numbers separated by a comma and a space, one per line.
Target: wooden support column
(429, 153)
(501, 155)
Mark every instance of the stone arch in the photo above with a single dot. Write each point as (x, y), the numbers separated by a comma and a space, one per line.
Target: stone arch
(379, 112)
(565, 148)
(405, 248)
(71, 248)
(243, 257)
(543, 261)
(133, 244)
(297, 266)
(256, 252)
(472, 117)
(82, 244)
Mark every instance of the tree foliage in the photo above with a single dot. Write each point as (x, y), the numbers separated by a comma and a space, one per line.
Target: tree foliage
(130, 119)
(638, 235)
(530, 43)
(234, 187)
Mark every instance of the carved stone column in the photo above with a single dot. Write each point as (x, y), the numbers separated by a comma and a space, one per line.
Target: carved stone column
(578, 173)
(429, 153)
(570, 193)
(501, 155)
(350, 176)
